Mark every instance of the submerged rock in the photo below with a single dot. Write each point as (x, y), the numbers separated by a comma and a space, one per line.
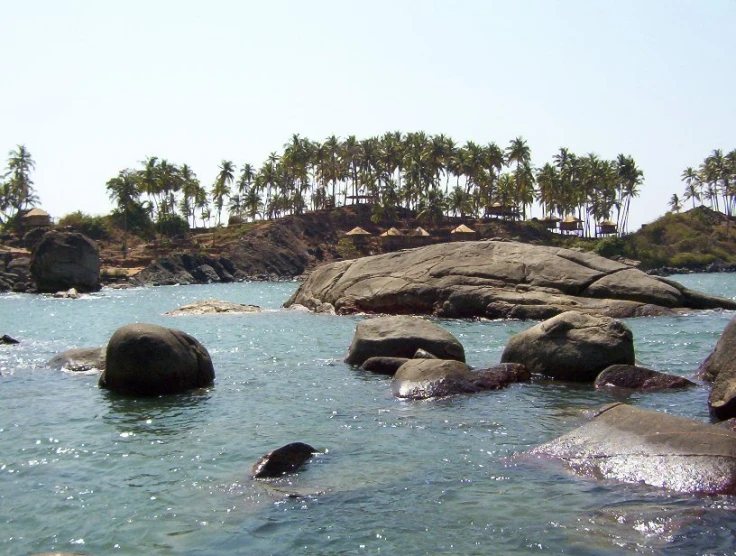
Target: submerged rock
(286, 459)
(5, 339)
(572, 346)
(214, 306)
(633, 445)
(639, 378)
(495, 279)
(150, 360)
(79, 359)
(720, 368)
(402, 336)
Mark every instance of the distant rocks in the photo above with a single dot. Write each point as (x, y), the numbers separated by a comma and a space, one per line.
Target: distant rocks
(79, 359)
(286, 459)
(572, 346)
(634, 445)
(214, 306)
(15, 271)
(64, 260)
(495, 279)
(150, 360)
(635, 377)
(720, 369)
(7, 340)
(187, 269)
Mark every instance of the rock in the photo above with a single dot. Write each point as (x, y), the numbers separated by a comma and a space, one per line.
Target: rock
(5, 339)
(81, 359)
(495, 280)
(185, 268)
(149, 360)
(69, 294)
(572, 346)
(420, 379)
(64, 260)
(634, 445)
(720, 368)
(423, 354)
(402, 336)
(214, 306)
(383, 365)
(638, 378)
(286, 459)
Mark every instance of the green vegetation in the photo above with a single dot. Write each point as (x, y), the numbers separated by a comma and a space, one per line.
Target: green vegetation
(714, 181)
(16, 189)
(95, 227)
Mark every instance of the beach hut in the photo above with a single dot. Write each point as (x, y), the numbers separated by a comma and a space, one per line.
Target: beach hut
(501, 210)
(393, 238)
(571, 224)
(358, 235)
(36, 218)
(550, 222)
(419, 236)
(463, 233)
(606, 228)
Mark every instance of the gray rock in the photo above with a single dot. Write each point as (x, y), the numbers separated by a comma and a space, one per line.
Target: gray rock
(634, 445)
(638, 378)
(280, 461)
(720, 368)
(79, 359)
(63, 260)
(5, 339)
(214, 306)
(402, 336)
(69, 294)
(572, 346)
(383, 365)
(150, 360)
(495, 280)
(420, 379)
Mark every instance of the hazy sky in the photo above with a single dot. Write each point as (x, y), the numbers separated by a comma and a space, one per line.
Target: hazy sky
(92, 87)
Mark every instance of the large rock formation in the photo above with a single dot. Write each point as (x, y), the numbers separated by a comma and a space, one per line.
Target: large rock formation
(401, 337)
(149, 360)
(572, 346)
(720, 369)
(634, 445)
(495, 279)
(185, 269)
(65, 260)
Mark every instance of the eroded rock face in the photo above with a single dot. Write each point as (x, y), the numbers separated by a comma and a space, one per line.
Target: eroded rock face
(420, 379)
(635, 377)
(402, 336)
(65, 260)
(214, 306)
(633, 445)
(496, 280)
(150, 360)
(79, 359)
(572, 346)
(720, 368)
(286, 459)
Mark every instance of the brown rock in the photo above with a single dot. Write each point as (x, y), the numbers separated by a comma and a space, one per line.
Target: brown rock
(286, 459)
(638, 378)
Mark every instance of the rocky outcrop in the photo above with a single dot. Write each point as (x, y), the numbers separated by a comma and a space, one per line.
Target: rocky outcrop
(633, 445)
(634, 377)
(185, 269)
(720, 369)
(79, 359)
(280, 461)
(63, 260)
(8, 340)
(15, 271)
(213, 307)
(150, 360)
(572, 346)
(419, 379)
(495, 279)
(402, 336)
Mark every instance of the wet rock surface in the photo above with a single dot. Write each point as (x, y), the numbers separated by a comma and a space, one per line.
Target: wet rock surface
(79, 359)
(213, 307)
(635, 377)
(286, 459)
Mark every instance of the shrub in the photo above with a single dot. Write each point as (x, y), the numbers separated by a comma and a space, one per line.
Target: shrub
(94, 227)
(692, 260)
(610, 247)
(172, 225)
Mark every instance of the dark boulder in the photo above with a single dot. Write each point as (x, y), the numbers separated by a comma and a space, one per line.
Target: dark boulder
(420, 379)
(572, 346)
(402, 336)
(633, 445)
(383, 365)
(286, 459)
(63, 260)
(5, 339)
(187, 268)
(80, 359)
(638, 378)
(720, 369)
(149, 360)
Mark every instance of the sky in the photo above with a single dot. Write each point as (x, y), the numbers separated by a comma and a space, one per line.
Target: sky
(91, 88)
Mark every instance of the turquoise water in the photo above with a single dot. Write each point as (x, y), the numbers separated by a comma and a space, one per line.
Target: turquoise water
(82, 470)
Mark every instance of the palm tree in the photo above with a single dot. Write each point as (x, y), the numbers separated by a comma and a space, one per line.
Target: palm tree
(519, 152)
(221, 187)
(189, 188)
(123, 191)
(674, 203)
(692, 185)
(18, 192)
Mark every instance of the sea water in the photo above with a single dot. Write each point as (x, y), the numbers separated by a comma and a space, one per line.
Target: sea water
(83, 470)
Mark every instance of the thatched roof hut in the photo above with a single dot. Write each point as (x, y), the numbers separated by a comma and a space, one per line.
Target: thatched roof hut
(550, 222)
(392, 232)
(419, 236)
(418, 232)
(36, 218)
(571, 224)
(606, 227)
(502, 210)
(462, 233)
(393, 238)
(357, 231)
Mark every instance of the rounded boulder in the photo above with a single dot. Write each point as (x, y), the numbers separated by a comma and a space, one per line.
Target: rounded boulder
(150, 360)
(63, 260)
(720, 369)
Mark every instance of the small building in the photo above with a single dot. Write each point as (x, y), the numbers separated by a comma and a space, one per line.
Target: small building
(501, 210)
(571, 224)
(358, 235)
(550, 222)
(36, 218)
(393, 238)
(606, 228)
(463, 233)
(419, 236)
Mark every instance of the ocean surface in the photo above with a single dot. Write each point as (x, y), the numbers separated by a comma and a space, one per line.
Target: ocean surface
(83, 470)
